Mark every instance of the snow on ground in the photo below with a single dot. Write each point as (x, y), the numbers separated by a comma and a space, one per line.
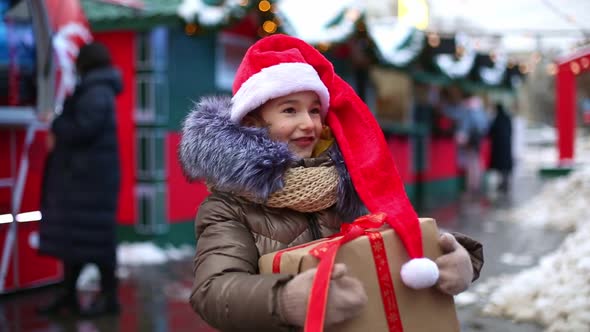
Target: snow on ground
(147, 253)
(134, 254)
(556, 292)
(562, 202)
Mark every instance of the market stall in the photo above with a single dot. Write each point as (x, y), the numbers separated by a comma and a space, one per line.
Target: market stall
(21, 149)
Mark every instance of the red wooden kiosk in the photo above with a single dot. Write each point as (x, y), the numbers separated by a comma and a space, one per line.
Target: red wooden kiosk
(565, 92)
(52, 31)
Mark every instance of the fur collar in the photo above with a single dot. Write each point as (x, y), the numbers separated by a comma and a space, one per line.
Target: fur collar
(237, 158)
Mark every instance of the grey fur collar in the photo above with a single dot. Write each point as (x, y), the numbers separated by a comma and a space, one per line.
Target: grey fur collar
(237, 158)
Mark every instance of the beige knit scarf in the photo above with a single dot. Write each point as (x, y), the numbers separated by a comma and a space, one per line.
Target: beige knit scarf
(307, 189)
(311, 187)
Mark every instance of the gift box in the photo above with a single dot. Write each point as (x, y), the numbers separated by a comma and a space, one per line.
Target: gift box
(375, 257)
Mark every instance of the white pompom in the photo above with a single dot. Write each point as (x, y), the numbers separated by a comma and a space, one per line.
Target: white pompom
(419, 273)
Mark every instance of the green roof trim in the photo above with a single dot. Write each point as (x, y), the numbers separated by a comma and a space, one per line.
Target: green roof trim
(105, 16)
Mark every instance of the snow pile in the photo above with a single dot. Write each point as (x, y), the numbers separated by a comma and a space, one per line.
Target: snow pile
(530, 158)
(535, 157)
(147, 253)
(556, 293)
(89, 278)
(562, 204)
(134, 254)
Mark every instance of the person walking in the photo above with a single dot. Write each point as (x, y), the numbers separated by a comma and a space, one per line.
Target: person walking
(81, 185)
(471, 124)
(471, 130)
(501, 158)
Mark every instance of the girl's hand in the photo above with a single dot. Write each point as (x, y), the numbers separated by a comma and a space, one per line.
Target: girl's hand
(346, 297)
(454, 266)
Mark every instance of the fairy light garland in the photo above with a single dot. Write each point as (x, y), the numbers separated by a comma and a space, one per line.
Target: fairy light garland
(319, 22)
(397, 43)
(213, 13)
(461, 67)
(494, 75)
(330, 22)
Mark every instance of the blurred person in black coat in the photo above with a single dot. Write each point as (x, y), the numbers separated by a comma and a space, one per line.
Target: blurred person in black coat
(81, 184)
(501, 158)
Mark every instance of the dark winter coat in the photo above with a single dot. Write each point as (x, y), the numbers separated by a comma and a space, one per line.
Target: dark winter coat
(501, 158)
(232, 233)
(81, 184)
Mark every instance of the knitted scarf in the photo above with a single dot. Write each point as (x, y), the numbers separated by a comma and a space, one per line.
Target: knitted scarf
(310, 187)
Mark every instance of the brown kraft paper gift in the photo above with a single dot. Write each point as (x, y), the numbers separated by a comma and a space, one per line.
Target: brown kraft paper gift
(423, 310)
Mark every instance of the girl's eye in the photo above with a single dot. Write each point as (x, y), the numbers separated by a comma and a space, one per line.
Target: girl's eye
(315, 111)
(289, 110)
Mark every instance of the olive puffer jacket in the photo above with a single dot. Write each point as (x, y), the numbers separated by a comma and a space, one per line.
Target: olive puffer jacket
(232, 233)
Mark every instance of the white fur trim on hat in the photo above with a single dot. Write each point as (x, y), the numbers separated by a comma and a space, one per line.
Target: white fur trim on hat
(277, 81)
(420, 273)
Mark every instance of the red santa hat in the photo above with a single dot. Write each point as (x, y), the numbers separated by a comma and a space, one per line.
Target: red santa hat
(279, 65)
(265, 74)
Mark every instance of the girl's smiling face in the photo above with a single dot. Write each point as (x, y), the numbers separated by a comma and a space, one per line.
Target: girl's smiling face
(295, 119)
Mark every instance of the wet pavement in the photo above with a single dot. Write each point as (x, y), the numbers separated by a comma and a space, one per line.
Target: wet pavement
(154, 298)
(485, 220)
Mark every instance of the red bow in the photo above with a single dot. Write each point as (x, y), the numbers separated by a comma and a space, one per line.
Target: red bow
(326, 253)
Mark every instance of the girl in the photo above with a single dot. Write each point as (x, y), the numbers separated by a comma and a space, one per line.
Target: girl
(279, 178)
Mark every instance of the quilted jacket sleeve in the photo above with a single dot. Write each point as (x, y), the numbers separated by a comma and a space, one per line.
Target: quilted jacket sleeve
(228, 293)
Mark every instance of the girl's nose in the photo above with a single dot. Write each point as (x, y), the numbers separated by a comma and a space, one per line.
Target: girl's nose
(305, 120)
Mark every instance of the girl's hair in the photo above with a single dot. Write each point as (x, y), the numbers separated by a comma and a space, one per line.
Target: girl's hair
(92, 56)
(253, 119)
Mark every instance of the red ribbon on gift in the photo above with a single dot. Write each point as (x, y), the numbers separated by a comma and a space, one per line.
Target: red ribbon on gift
(326, 253)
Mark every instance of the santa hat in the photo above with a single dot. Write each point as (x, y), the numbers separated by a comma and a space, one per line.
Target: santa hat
(279, 65)
(265, 74)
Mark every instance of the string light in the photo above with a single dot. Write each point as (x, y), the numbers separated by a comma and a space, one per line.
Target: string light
(269, 27)
(324, 47)
(551, 69)
(585, 63)
(244, 3)
(190, 29)
(433, 40)
(264, 6)
(459, 51)
(575, 67)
